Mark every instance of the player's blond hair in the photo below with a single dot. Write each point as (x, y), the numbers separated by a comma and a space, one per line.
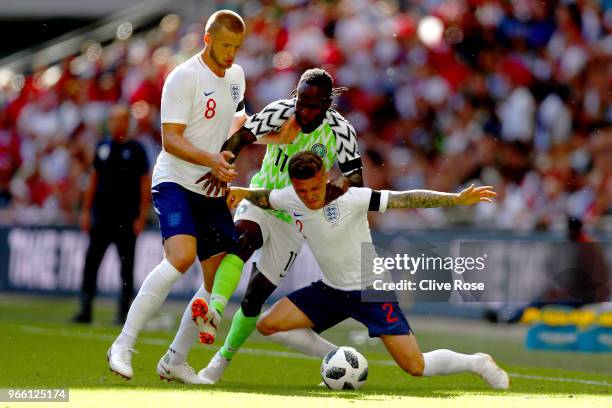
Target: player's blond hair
(225, 18)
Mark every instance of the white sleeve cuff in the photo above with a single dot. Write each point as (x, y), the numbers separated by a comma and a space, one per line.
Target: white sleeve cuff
(384, 200)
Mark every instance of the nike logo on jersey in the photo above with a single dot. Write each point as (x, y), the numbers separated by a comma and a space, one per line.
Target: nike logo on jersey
(296, 215)
(208, 93)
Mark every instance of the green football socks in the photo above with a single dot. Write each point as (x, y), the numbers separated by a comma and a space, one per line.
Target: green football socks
(242, 328)
(226, 281)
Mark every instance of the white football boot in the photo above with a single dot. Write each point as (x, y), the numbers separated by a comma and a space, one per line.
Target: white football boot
(215, 369)
(207, 319)
(492, 373)
(182, 373)
(120, 360)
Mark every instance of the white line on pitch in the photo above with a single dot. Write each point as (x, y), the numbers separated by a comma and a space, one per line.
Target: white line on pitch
(270, 353)
(559, 379)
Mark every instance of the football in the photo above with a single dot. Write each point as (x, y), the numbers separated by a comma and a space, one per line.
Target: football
(344, 368)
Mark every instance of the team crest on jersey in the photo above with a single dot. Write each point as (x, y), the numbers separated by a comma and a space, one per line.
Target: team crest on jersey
(331, 213)
(241, 209)
(319, 150)
(235, 91)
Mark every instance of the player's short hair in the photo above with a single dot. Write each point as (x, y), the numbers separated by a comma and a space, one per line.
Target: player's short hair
(304, 165)
(225, 18)
(321, 79)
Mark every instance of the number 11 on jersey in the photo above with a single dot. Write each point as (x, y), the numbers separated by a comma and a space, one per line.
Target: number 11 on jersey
(292, 256)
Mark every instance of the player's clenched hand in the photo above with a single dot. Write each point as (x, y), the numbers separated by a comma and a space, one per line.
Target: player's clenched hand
(212, 185)
(235, 195)
(473, 195)
(222, 168)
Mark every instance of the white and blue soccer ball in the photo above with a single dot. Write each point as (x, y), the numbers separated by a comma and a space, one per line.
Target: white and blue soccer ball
(344, 368)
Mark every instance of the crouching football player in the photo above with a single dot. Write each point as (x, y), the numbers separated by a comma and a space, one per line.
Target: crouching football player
(335, 232)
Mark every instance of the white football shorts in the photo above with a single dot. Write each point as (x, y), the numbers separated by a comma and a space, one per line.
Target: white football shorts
(281, 242)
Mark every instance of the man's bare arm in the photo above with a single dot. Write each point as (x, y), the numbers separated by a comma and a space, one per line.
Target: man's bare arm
(237, 123)
(242, 138)
(355, 179)
(175, 143)
(239, 140)
(258, 196)
(340, 185)
(430, 199)
(420, 199)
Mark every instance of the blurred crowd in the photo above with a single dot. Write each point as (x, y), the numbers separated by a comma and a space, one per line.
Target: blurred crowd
(515, 94)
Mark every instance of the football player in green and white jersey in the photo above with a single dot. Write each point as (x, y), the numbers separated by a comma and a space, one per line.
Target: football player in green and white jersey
(271, 236)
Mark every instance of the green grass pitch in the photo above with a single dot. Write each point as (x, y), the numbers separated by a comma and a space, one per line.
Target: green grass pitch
(40, 349)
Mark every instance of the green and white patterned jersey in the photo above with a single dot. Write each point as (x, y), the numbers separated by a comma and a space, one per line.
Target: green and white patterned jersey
(334, 140)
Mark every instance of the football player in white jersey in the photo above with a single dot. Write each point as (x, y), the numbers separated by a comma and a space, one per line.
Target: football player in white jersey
(268, 238)
(202, 103)
(335, 232)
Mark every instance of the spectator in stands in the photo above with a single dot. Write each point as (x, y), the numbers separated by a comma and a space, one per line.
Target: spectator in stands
(514, 95)
(10, 158)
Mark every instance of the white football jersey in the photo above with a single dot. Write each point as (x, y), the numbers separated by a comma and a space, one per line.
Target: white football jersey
(194, 96)
(335, 233)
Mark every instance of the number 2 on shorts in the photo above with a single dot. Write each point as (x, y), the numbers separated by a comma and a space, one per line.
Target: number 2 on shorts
(389, 308)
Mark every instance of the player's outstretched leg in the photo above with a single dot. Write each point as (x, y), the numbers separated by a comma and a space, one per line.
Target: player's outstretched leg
(305, 341)
(405, 351)
(242, 327)
(180, 254)
(226, 280)
(181, 372)
(493, 374)
(154, 290)
(286, 324)
(173, 365)
(243, 324)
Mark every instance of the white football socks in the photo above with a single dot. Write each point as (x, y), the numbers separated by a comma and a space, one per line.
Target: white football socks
(151, 295)
(303, 340)
(444, 362)
(187, 333)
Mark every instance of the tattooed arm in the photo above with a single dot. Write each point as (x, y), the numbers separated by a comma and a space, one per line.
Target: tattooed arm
(258, 196)
(429, 199)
